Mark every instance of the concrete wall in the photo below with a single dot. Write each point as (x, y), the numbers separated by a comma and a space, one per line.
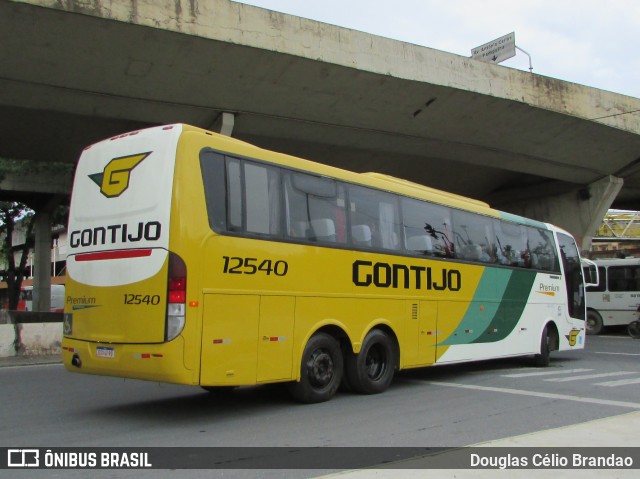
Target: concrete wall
(34, 338)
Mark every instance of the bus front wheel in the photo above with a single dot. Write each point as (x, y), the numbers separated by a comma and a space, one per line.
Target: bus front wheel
(371, 371)
(542, 359)
(594, 322)
(320, 372)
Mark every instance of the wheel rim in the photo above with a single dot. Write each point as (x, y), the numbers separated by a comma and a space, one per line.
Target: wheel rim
(376, 362)
(320, 368)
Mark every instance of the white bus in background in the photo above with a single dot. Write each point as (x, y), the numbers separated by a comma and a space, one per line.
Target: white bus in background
(615, 301)
(57, 298)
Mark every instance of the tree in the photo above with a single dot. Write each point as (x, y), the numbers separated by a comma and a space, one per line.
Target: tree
(13, 213)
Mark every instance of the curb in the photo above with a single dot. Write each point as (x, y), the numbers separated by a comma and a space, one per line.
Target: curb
(13, 361)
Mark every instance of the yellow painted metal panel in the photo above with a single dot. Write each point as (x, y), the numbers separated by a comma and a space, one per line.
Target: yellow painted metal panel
(130, 313)
(275, 343)
(428, 331)
(229, 339)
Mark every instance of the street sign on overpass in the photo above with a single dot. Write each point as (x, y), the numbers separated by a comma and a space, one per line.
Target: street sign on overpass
(497, 50)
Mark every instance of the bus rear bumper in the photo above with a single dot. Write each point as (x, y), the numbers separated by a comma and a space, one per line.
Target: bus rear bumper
(153, 362)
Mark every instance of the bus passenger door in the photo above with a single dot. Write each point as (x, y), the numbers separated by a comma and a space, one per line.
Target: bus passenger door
(229, 339)
(275, 338)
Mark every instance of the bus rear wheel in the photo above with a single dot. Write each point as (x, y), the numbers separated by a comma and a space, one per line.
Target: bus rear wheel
(320, 372)
(594, 322)
(371, 371)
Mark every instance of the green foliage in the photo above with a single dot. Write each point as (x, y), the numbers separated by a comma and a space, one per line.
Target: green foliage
(30, 167)
(13, 273)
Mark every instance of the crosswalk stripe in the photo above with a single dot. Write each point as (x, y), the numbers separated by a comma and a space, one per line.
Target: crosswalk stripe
(545, 373)
(618, 354)
(605, 402)
(591, 376)
(619, 382)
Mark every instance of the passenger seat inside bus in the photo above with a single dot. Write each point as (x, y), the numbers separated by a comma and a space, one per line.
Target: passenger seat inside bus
(324, 229)
(421, 244)
(361, 235)
(299, 229)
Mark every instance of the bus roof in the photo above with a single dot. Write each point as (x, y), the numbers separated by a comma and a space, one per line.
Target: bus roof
(616, 261)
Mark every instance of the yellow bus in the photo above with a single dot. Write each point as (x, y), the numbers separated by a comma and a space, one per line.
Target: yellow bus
(200, 259)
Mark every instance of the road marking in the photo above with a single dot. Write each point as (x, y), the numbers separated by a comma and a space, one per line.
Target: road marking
(591, 376)
(545, 373)
(520, 392)
(620, 382)
(619, 354)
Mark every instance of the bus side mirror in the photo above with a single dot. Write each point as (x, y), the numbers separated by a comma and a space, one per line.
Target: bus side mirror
(590, 273)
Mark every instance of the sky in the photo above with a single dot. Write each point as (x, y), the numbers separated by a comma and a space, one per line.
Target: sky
(590, 42)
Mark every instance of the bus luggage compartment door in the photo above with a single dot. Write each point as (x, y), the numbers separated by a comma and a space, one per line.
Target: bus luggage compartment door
(247, 339)
(229, 339)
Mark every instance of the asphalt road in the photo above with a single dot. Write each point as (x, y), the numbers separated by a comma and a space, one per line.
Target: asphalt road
(45, 406)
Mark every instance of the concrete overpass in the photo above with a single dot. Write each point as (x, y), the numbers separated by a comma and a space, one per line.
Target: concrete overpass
(73, 72)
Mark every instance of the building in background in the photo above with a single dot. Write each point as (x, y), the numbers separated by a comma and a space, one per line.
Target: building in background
(618, 236)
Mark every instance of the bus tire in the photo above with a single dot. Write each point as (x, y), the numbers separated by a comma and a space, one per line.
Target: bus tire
(542, 359)
(371, 371)
(321, 370)
(594, 322)
(634, 329)
(345, 384)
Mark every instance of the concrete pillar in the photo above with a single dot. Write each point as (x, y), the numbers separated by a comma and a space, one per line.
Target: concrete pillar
(42, 261)
(43, 208)
(224, 123)
(579, 211)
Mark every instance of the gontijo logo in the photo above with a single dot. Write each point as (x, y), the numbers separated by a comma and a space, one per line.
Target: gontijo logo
(114, 179)
(573, 336)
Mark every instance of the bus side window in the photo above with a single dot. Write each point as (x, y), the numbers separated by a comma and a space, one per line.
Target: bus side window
(241, 196)
(427, 228)
(542, 249)
(262, 196)
(513, 248)
(378, 211)
(624, 278)
(234, 193)
(473, 237)
(314, 208)
(212, 166)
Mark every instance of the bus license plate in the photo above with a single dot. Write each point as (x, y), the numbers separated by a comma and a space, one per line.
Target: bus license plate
(105, 352)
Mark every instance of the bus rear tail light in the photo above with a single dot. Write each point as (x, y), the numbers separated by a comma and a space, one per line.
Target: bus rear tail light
(176, 297)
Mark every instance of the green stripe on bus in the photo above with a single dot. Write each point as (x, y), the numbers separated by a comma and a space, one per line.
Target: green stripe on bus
(511, 307)
(489, 321)
(483, 308)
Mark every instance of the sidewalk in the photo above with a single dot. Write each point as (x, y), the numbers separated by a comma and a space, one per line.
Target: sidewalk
(616, 431)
